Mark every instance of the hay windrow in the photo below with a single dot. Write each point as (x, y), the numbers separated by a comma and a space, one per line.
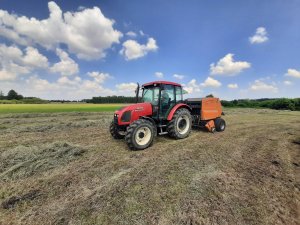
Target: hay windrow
(22, 161)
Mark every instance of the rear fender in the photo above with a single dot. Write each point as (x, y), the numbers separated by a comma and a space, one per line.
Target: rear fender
(175, 108)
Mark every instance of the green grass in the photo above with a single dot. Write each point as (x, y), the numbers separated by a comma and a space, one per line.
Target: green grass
(67, 107)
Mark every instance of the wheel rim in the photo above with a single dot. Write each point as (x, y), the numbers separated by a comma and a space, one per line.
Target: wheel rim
(143, 136)
(183, 124)
(222, 126)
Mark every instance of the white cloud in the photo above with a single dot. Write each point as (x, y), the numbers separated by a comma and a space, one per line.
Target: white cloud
(159, 74)
(233, 86)
(131, 34)
(227, 66)
(14, 62)
(210, 82)
(142, 33)
(260, 36)
(127, 87)
(99, 77)
(6, 75)
(133, 50)
(293, 73)
(66, 66)
(192, 87)
(68, 81)
(87, 33)
(178, 76)
(34, 59)
(65, 87)
(287, 82)
(259, 85)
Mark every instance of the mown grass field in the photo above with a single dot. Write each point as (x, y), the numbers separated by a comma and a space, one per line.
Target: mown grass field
(65, 168)
(60, 107)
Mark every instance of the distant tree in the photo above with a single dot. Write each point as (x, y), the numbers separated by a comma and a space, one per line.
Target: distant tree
(12, 94)
(210, 96)
(2, 95)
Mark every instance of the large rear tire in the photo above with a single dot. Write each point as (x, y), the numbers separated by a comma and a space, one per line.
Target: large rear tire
(181, 124)
(114, 131)
(140, 134)
(220, 124)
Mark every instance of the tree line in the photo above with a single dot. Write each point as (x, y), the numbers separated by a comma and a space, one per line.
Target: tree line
(111, 99)
(272, 103)
(12, 94)
(13, 97)
(277, 103)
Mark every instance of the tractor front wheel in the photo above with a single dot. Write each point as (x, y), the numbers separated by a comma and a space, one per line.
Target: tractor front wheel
(114, 131)
(181, 124)
(140, 134)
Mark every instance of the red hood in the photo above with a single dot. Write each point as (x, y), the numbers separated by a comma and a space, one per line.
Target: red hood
(137, 110)
(136, 107)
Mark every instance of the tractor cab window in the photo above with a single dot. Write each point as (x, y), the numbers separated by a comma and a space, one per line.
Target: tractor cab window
(167, 101)
(178, 91)
(151, 95)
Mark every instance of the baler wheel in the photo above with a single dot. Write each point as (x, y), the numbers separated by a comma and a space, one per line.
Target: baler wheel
(181, 124)
(220, 124)
(113, 129)
(140, 134)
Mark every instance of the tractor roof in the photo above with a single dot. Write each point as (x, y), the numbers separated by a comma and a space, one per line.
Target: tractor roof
(161, 82)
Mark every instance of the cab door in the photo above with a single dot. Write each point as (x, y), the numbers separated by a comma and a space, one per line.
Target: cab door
(167, 100)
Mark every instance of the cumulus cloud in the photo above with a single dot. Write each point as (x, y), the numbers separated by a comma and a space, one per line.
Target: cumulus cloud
(66, 66)
(227, 66)
(87, 33)
(287, 82)
(232, 86)
(178, 76)
(192, 86)
(293, 73)
(99, 77)
(14, 61)
(159, 74)
(210, 82)
(131, 34)
(126, 87)
(259, 85)
(260, 36)
(133, 50)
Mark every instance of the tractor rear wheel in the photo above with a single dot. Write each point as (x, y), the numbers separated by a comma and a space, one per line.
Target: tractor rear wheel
(181, 124)
(114, 131)
(140, 134)
(220, 124)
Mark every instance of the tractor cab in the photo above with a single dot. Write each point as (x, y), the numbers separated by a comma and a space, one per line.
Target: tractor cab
(163, 96)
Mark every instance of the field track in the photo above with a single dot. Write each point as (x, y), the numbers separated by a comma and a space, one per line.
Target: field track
(64, 168)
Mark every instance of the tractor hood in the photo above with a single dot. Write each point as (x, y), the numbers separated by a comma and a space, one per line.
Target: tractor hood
(130, 113)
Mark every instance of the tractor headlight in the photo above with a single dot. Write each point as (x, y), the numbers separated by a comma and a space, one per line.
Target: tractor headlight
(126, 116)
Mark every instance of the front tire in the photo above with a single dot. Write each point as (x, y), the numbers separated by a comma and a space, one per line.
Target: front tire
(181, 124)
(114, 131)
(140, 134)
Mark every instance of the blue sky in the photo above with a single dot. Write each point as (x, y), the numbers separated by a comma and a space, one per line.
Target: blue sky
(79, 49)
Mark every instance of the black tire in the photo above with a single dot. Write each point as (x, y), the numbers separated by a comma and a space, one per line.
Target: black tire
(137, 131)
(114, 131)
(220, 124)
(173, 127)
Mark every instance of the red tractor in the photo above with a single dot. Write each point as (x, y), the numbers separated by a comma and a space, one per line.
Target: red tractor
(163, 111)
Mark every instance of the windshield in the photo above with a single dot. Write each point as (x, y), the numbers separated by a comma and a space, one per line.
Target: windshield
(150, 94)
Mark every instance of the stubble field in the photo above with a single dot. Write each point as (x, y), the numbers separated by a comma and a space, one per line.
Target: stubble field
(64, 168)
